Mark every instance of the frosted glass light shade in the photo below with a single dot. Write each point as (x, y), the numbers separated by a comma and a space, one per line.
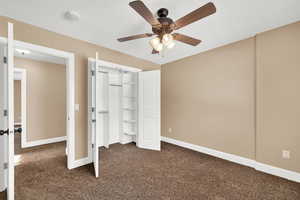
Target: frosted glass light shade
(167, 39)
(159, 47)
(155, 44)
(170, 45)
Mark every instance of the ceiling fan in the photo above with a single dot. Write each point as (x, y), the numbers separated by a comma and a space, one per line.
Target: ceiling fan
(163, 26)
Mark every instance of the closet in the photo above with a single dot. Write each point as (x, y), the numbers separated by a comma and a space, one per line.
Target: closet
(123, 105)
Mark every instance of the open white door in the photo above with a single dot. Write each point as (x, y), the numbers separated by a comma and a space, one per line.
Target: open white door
(93, 115)
(3, 116)
(7, 116)
(149, 110)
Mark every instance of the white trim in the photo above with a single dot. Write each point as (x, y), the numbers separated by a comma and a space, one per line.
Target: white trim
(44, 141)
(70, 71)
(103, 63)
(283, 173)
(70, 64)
(226, 156)
(21, 74)
(81, 162)
(11, 154)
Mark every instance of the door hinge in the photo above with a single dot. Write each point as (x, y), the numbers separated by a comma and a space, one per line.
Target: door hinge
(5, 165)
(5, 113)
(93, 109)
(93, 72)
(93, 145)
(93, 120)
(5, 59)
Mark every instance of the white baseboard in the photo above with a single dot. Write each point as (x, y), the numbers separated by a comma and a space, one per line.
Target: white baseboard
(283, 173)
(226, 156)
(45, 141)
(81, 162)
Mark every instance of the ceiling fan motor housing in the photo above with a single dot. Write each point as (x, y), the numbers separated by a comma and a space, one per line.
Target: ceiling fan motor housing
(166, 22)
(163, 12)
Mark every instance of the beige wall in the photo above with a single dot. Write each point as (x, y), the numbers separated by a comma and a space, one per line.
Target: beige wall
(278, 96)
(210, 99)
(82, 51)
(46, 99)
(17, 101)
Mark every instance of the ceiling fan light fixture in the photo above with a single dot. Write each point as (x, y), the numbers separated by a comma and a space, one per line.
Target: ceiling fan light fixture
(159, 47)
(156, 44)
(155, 41)
(167, 39)
(170, 45)
(163, 26)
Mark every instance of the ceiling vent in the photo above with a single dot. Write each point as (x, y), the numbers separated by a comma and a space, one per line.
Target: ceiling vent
(72, 15)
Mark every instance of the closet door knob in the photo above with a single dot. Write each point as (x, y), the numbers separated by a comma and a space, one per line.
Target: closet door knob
(3, 132)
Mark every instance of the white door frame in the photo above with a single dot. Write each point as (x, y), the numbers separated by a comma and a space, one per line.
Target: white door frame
(21, 75)
(70, 79)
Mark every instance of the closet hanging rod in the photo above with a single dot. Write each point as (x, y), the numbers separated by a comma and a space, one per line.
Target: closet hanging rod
(103, 112)
(116, 85)
(103, 72)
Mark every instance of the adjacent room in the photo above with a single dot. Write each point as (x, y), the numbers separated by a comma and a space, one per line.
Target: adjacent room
(39, 104)
(152, 100)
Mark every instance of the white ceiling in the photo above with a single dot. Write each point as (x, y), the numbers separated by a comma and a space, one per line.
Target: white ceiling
(103, 21)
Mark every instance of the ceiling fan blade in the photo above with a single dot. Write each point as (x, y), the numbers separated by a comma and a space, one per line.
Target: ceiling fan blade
(154, 51)
(186, 39)
(141, 9)
(204, 11)
(134, 37)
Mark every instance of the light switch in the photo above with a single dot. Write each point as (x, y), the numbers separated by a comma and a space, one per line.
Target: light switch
(77, 107)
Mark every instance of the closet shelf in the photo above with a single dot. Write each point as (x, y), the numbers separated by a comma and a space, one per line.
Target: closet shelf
(130, 133)
(117, 85)
(103, 111)
(129, 121)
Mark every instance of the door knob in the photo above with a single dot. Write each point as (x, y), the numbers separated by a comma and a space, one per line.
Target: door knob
(3, 132)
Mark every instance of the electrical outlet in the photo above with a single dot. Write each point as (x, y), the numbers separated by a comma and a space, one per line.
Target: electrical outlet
(286, 154)
(170, 130)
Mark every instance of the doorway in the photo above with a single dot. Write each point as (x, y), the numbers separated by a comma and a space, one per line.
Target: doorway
(7, 120)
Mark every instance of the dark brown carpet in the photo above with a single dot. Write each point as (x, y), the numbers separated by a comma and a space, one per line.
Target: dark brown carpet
(131, 173)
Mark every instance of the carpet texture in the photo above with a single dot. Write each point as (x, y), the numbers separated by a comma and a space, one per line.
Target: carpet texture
(129, 173)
